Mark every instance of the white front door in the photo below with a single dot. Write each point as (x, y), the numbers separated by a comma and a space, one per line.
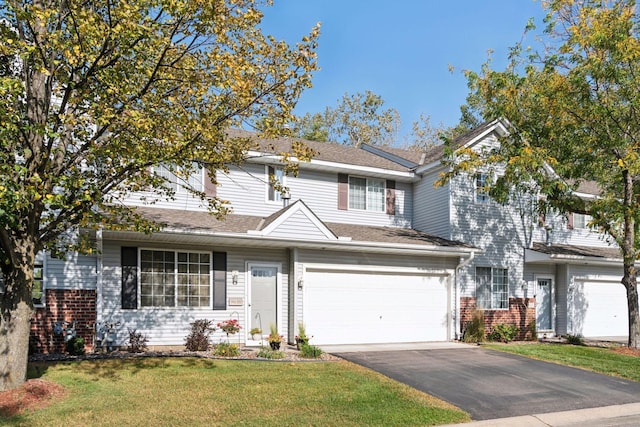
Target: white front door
(544, 306)
(263, 298)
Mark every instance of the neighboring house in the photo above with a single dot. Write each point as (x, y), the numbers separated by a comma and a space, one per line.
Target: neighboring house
(555, 269)
(336, 252)
(362, 249)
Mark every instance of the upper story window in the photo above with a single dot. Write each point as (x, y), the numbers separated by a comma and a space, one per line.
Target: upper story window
(581, 221)
(492, 288)
(177, 182)
(482, 194)
(276, 176)
(367, 194)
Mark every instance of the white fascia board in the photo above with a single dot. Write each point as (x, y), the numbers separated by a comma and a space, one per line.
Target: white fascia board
(245, 240)
(409, 176)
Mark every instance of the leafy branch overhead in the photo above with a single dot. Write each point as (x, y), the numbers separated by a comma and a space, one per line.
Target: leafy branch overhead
(101, 91)
(574, 120)
(98, 98)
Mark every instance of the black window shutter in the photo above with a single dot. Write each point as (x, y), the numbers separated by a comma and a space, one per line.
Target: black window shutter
(129, 262)
(219, 280)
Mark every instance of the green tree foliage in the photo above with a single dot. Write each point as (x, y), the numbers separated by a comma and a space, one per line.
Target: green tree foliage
(97, 92)
(575, 108)
(359, 118)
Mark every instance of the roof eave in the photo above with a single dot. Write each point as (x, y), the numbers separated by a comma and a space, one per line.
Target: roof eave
(244, 240)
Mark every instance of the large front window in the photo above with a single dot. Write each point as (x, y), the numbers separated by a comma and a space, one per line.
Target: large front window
(175, 279)
(366, 194)
(492, 288)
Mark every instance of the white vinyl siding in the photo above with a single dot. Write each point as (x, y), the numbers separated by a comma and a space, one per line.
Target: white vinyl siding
(170, 325)
(318, 190)
(432, 207)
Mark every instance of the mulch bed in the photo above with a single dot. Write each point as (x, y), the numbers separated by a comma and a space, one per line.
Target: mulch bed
(33, 394)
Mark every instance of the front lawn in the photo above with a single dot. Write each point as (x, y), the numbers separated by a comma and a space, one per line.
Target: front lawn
(199, 392)
(603, 360)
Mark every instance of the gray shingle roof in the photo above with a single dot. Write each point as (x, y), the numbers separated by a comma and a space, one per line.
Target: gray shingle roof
(198, 221)
(580, 251)
(326, 151)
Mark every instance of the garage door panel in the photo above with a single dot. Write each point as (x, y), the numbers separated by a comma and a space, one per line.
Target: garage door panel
(600, 309)
(359, 307)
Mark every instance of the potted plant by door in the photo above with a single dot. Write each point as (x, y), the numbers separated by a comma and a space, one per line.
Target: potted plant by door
(302, 338)
(255, 333)
(274, 338)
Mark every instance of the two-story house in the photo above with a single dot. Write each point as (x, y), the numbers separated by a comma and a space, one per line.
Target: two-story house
(336, 251)
(362, 248)
(553, 268)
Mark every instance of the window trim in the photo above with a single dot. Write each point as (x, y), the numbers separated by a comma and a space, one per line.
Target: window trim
(383, 203)
(494, 285)
(481, 195)
(176, 306)
(173, 179)
(41, 266)
(269, 190)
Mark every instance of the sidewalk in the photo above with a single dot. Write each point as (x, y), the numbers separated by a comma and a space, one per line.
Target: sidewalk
(617, 415)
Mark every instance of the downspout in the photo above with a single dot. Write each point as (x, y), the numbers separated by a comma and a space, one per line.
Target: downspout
(99, 284)
(463, 263)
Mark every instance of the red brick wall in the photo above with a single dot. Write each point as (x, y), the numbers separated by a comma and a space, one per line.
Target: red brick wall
(63, 306)
(521, 313)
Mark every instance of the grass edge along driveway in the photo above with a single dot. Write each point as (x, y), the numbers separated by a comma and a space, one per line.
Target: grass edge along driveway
(194, 392)
(604, 360)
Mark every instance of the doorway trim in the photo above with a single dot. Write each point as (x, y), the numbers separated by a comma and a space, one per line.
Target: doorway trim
(552, 304)
(279, 305)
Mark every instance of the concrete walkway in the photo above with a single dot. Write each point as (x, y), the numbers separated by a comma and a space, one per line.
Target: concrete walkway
(613, 416)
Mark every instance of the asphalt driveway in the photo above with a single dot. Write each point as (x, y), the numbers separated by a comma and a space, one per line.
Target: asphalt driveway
(490, 384)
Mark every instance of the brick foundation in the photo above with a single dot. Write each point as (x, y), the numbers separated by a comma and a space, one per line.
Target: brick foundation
(77, 306)
(521, 313)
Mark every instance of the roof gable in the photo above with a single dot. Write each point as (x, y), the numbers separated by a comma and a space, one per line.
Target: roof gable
(295, 220)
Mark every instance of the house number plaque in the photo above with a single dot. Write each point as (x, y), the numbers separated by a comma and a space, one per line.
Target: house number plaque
(236, 301)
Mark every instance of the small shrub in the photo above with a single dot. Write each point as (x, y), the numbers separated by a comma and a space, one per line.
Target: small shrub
(198, 338)
(574, 339)
(75, 346)
(504, 332)
(310, 351)
(224, 349)
(266, 353)
(474, 331)
(137, 341)
(532, 331)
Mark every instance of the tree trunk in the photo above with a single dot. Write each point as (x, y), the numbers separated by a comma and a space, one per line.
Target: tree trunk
(630, 282)
(16, 308)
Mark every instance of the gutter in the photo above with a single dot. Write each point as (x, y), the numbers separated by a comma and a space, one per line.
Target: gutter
(339, 244)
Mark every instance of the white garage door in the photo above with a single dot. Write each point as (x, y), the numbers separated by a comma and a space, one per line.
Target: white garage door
(349, 307)
(600, 309)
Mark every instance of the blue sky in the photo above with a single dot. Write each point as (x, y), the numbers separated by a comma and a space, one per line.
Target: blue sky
(402, 49)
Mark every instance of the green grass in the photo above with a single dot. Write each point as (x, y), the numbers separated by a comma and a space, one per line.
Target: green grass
(199, 392)
(603, 360)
